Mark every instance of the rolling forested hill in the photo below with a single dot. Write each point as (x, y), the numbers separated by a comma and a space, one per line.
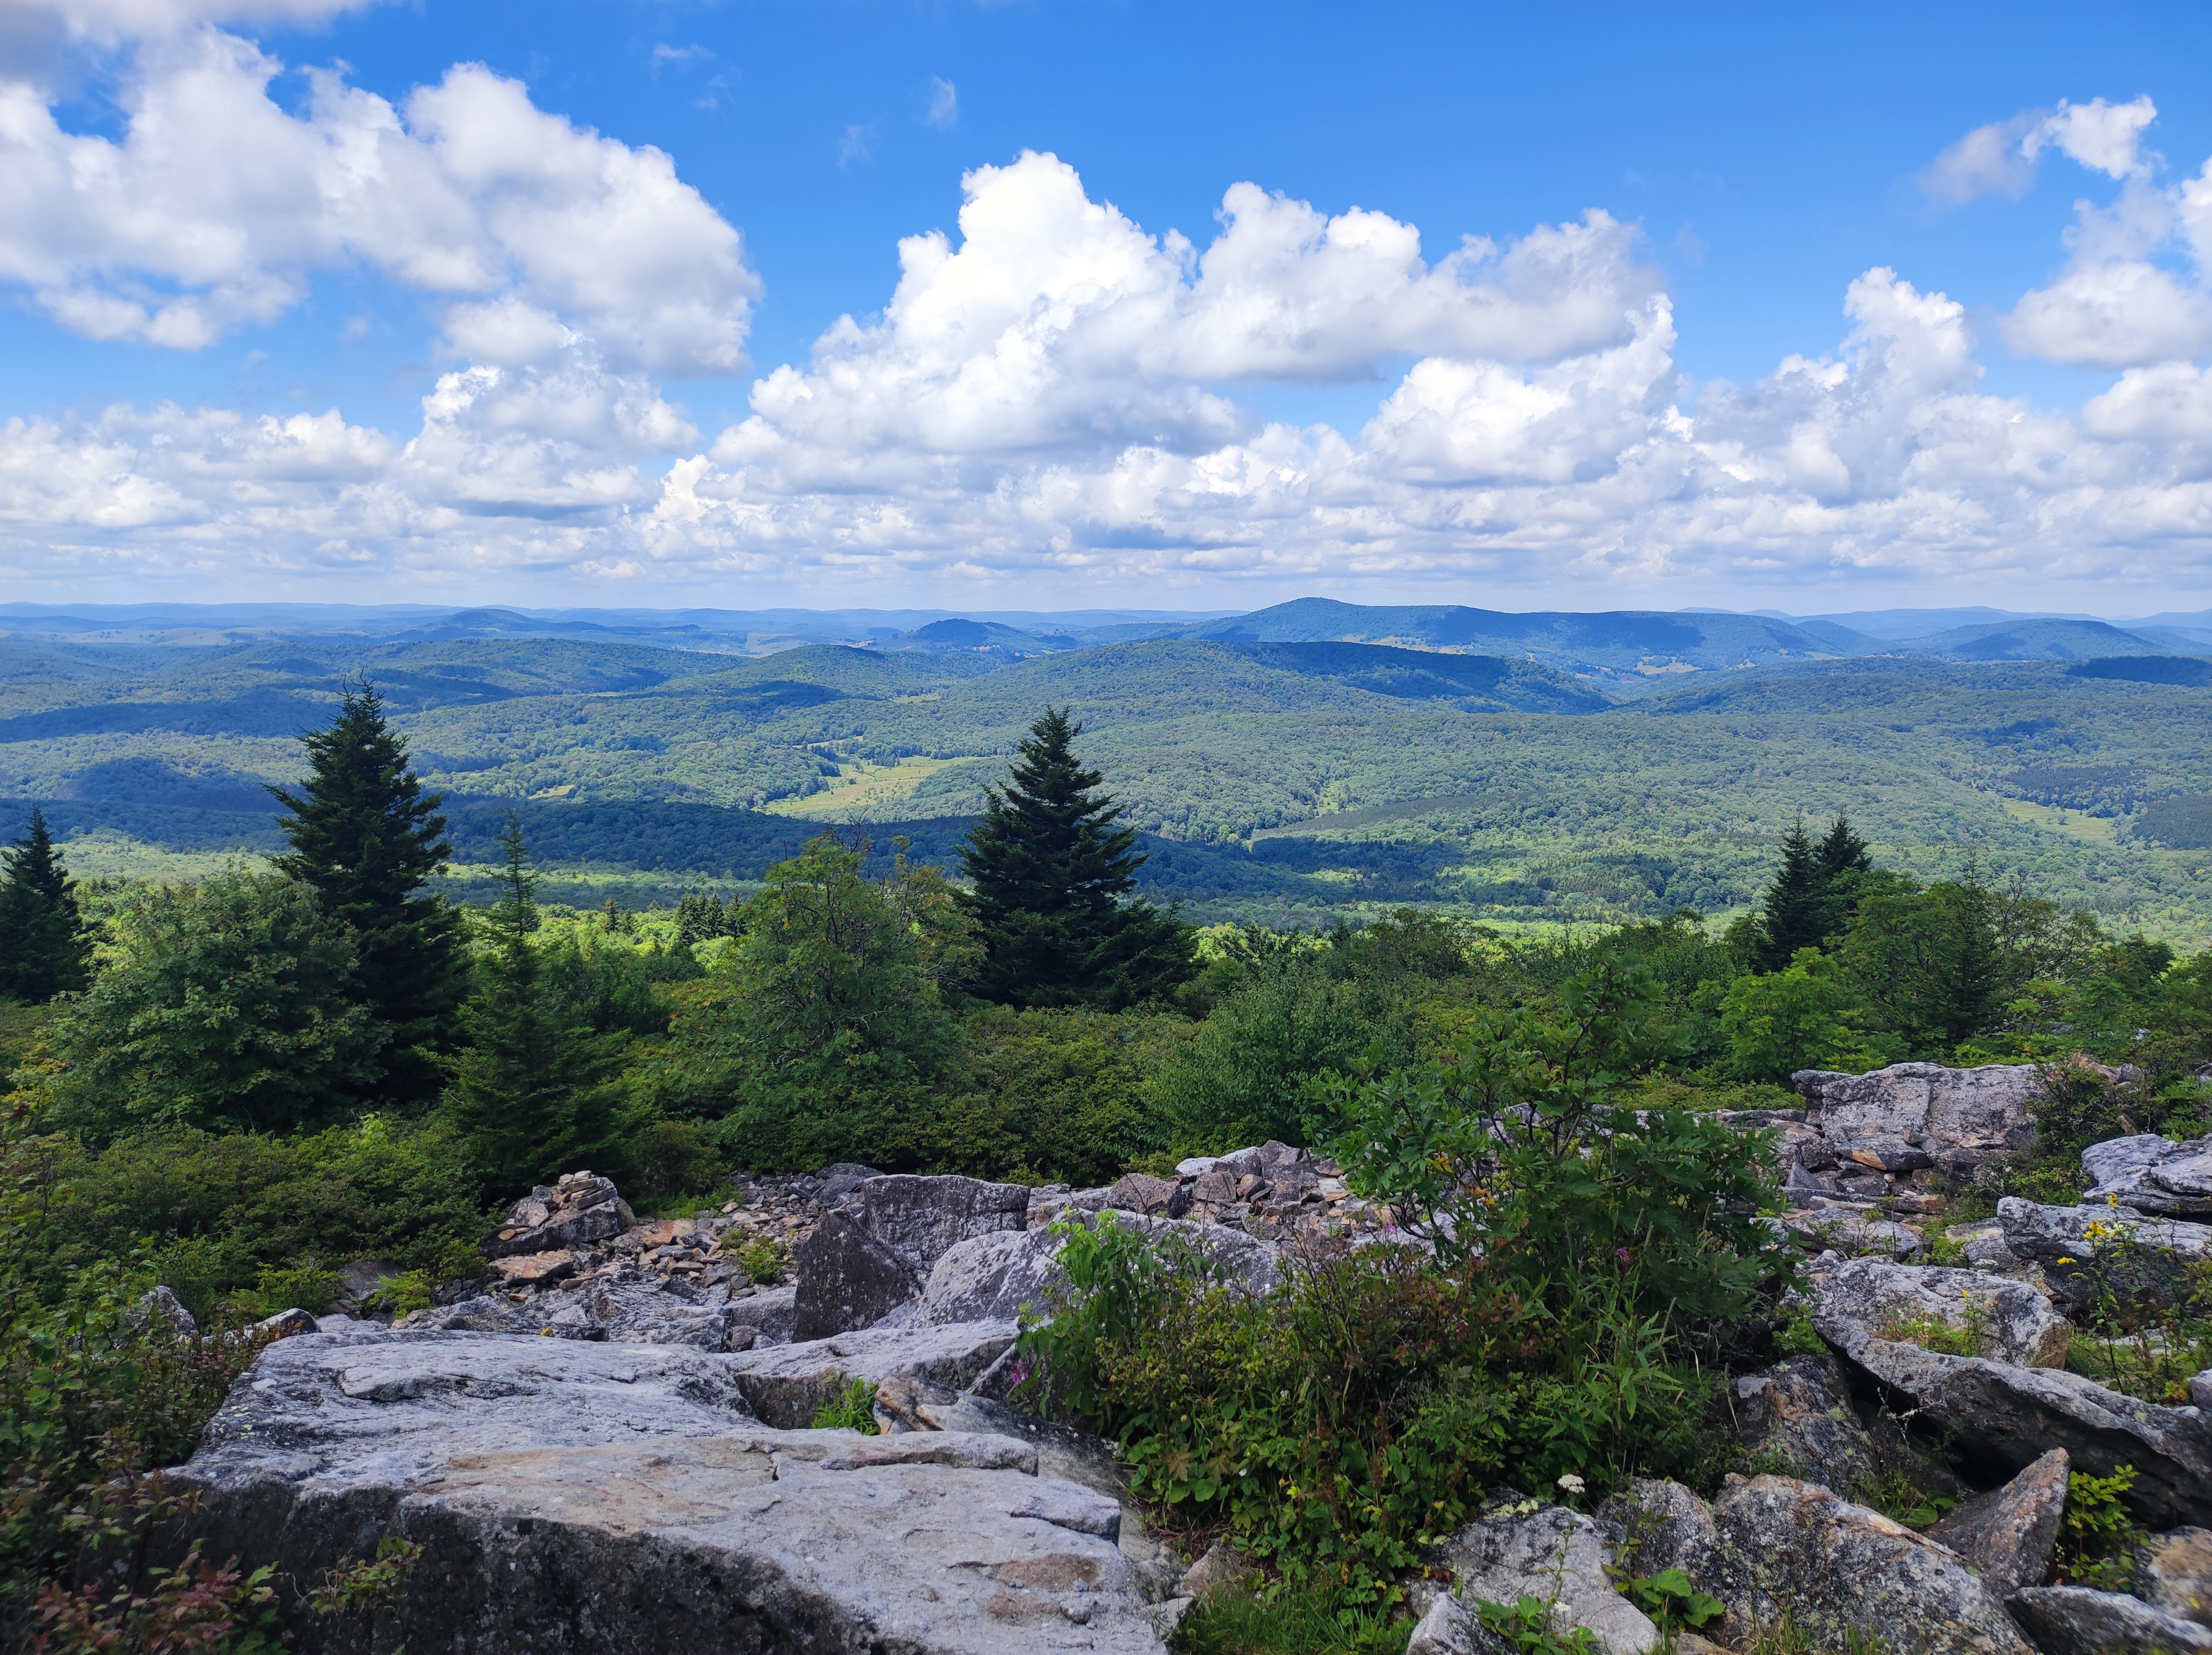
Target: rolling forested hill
(1274, 779)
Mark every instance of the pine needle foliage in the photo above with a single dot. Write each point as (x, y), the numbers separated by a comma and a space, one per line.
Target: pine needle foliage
(1051, 877)
(44, 948)
(367, 838)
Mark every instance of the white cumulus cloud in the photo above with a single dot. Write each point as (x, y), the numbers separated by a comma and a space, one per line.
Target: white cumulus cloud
(217, 207)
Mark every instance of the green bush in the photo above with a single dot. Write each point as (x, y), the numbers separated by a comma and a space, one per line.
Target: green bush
(1343, 1423)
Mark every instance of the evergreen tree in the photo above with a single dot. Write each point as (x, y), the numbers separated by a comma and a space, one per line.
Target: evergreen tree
(43, 949)
(367, 838)
(534, 1093)
(1790, 915)
(1842, 856)
(1049, 872)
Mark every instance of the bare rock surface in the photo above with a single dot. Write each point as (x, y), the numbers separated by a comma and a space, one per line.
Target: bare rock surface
(2176, 1574)
(2151, 1175)
(995, 1276)
(1529, 1549)
(1920, 1103)
(1852, 1232)
(1662, 1526)
(1798, 1415)
(582, 1497)
(1796, 1549)
(785, 1384)
(2005, 1417)
(2010, 1321)
(875, 1250)
(2009, 1533)
(2076, 1621)
(576, 1208)
(2087, 1252)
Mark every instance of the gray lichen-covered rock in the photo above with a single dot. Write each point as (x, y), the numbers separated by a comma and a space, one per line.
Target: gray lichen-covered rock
(996, 1276)
(2090, 1252)
(2004, 1417)
(1924, 1101)
(2076, 1621)
(2176, 1574)
(876, 1250)
(1798, 1417)
(2151, 1175)
(2011, 1321)
(576, 1208)
(1794, 1549)
(785, 1385)
(1450, 1628)
(2009, 1533)
(1662, 1526)
(1851, 1231)
(1527, 1549)
(574, 1498)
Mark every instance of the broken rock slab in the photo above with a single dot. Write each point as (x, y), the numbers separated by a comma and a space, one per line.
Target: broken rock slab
(1530, 1549)
(2151, 1174)
(1850, 1231)
(2010, 1320)
(2089, 1254)
(1926, 1104)
(2008, 1534)
(2004, 1418)
(580, 1499)
(785, 1385)
(575, 1211)
(2076, 1621)
(1663, 1525)
(875, 1250)
(1796, 1549)
(1798, 1417)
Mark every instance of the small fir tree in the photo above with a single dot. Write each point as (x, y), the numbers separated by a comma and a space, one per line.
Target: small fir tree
(44, 948)
(1790, 912)
(533, 1092)
(1050, 874)
(367, 838)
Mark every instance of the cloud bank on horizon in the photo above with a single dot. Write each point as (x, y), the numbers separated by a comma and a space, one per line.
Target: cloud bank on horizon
(1054, 398)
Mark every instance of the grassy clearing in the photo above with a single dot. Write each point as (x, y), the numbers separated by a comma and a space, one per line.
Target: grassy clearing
(862, 789)
(2090, 830)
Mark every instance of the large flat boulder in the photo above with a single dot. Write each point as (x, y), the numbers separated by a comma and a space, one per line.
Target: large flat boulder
(574, 1498)
(2003, 1418)
(2006, 1320)
(1794, 1549)
(1926, 1103)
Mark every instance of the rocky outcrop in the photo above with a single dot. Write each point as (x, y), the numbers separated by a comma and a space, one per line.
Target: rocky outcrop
(1794, 1549)
(1000, 1276)
(2150, 1175)
(577, 1497)
(2008, 1534)
(2001, 1419)
(575, 1210)
(2005, 1320)
(2076, 1621)
(1662, 1526)
(1528, 1548)
(2091, 1255)
(875, 1250)
(1797, 1418)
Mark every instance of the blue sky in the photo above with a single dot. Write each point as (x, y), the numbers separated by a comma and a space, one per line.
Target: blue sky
(1756, 163)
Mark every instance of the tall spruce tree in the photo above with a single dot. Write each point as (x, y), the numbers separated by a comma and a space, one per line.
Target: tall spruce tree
(1050, 875)
(1808, 901)
(533, 1092)
(44, 948)
(367, 838)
